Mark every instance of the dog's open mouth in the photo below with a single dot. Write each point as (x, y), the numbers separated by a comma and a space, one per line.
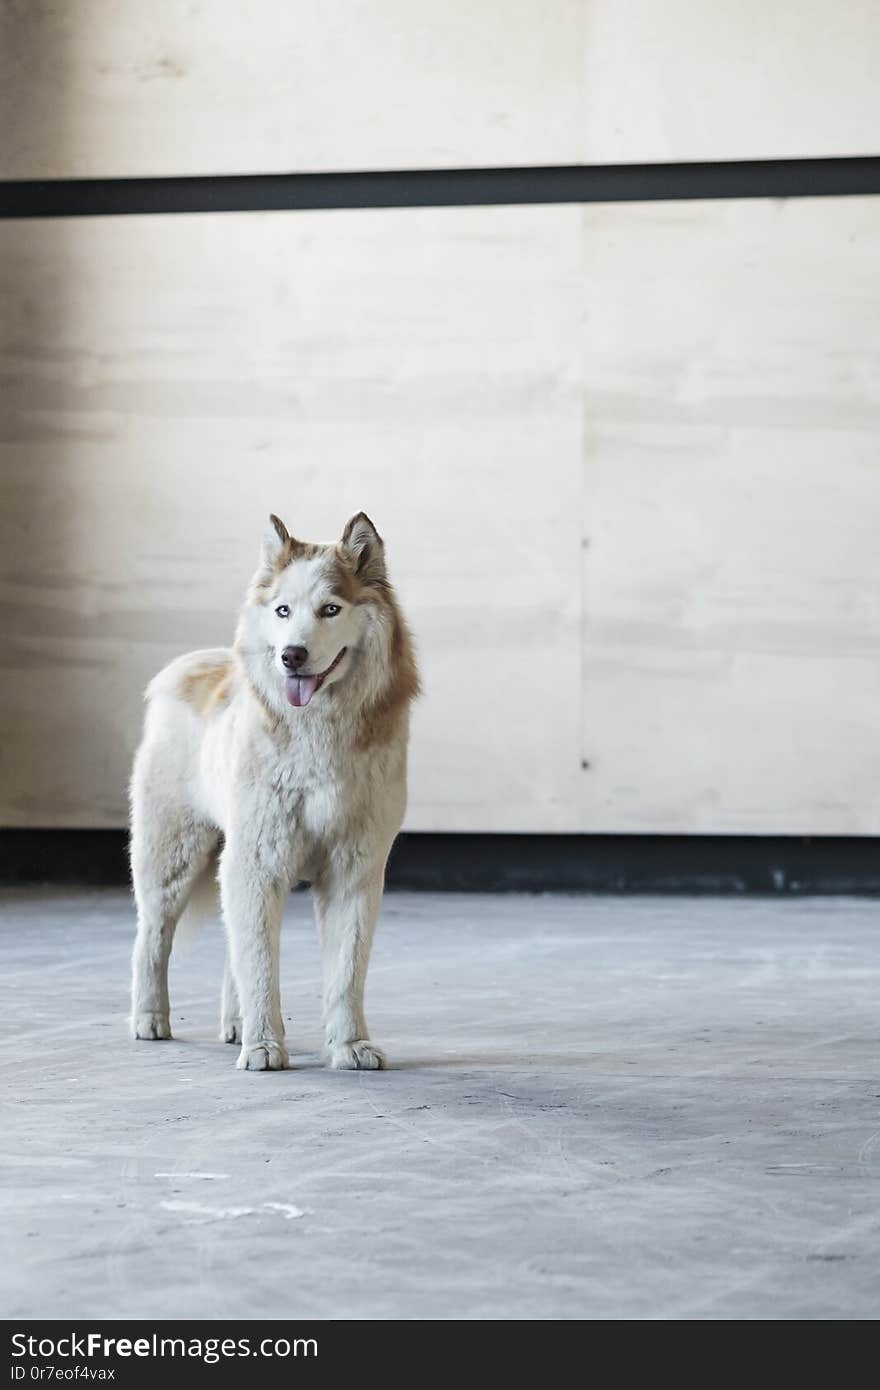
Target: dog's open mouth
(298, 690)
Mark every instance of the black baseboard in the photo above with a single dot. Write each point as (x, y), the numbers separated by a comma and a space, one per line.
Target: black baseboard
(692, 864)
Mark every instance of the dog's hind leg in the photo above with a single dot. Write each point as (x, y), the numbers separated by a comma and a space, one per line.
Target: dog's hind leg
(230, 1008)
(346, 911)
(169, 850)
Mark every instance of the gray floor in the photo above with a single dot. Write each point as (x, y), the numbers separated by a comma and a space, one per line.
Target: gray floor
(600, 1108)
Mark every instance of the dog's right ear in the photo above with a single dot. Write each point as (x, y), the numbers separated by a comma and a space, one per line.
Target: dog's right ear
(276, 540)
(276, 552)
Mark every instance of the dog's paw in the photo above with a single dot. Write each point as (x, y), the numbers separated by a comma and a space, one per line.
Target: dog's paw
(357, 1056)
(263, 1056)
(230, 1030)
(150, 1026)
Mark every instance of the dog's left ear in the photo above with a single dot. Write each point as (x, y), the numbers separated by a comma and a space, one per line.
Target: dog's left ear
(363, 540)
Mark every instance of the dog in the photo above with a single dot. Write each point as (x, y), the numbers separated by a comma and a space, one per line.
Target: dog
(283, 758)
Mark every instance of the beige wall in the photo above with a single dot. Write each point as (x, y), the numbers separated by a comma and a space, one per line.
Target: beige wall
(96, 88)
(625, 457)
(168, 381)
(732, 481)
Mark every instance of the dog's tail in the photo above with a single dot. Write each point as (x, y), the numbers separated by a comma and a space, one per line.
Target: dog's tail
(203, 904)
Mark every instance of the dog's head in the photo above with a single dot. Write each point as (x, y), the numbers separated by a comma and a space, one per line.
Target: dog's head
(311, 610)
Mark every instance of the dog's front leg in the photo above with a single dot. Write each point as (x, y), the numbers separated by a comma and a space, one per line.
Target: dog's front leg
(347, 908)
(253, 901)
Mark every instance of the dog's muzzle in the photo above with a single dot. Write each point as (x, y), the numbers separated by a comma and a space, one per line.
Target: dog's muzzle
(299, 687)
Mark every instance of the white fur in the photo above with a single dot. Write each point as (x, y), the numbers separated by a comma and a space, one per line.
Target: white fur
(294, 798)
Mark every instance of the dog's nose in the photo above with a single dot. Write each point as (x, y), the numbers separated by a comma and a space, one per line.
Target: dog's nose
(294, 657)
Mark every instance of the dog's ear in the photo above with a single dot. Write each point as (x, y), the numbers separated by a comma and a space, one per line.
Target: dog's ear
(361, 538)
(276, 541)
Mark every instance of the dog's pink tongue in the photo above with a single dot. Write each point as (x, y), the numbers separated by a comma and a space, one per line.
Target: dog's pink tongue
(300, 689)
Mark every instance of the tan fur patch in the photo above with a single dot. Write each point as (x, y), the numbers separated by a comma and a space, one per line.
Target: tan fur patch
(342, 578)
(380, 722)
(209, 688)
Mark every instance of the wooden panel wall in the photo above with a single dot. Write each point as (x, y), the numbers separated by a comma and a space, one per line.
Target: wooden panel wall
(166, 382)
(732, 506)
(113, 88)
(729, 79)
(116, 87)
(626, 459)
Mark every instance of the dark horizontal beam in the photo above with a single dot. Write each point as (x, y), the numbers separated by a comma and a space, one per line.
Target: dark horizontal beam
(698, 864)
(411, 188)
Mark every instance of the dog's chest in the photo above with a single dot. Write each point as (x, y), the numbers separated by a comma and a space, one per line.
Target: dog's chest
(320, 797)
(315, 797)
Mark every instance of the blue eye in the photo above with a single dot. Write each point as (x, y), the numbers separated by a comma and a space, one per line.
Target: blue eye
(330, 610)
(282, 610)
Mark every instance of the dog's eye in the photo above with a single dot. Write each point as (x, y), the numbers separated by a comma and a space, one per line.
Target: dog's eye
(282, 610)
(330, 610)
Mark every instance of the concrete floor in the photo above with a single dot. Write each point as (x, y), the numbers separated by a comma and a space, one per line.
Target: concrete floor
(600, 1108)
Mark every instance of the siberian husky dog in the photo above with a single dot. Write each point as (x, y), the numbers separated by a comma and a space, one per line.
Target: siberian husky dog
(285, 757)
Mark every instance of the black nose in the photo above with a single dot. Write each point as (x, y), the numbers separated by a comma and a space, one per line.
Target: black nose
(294, 657)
